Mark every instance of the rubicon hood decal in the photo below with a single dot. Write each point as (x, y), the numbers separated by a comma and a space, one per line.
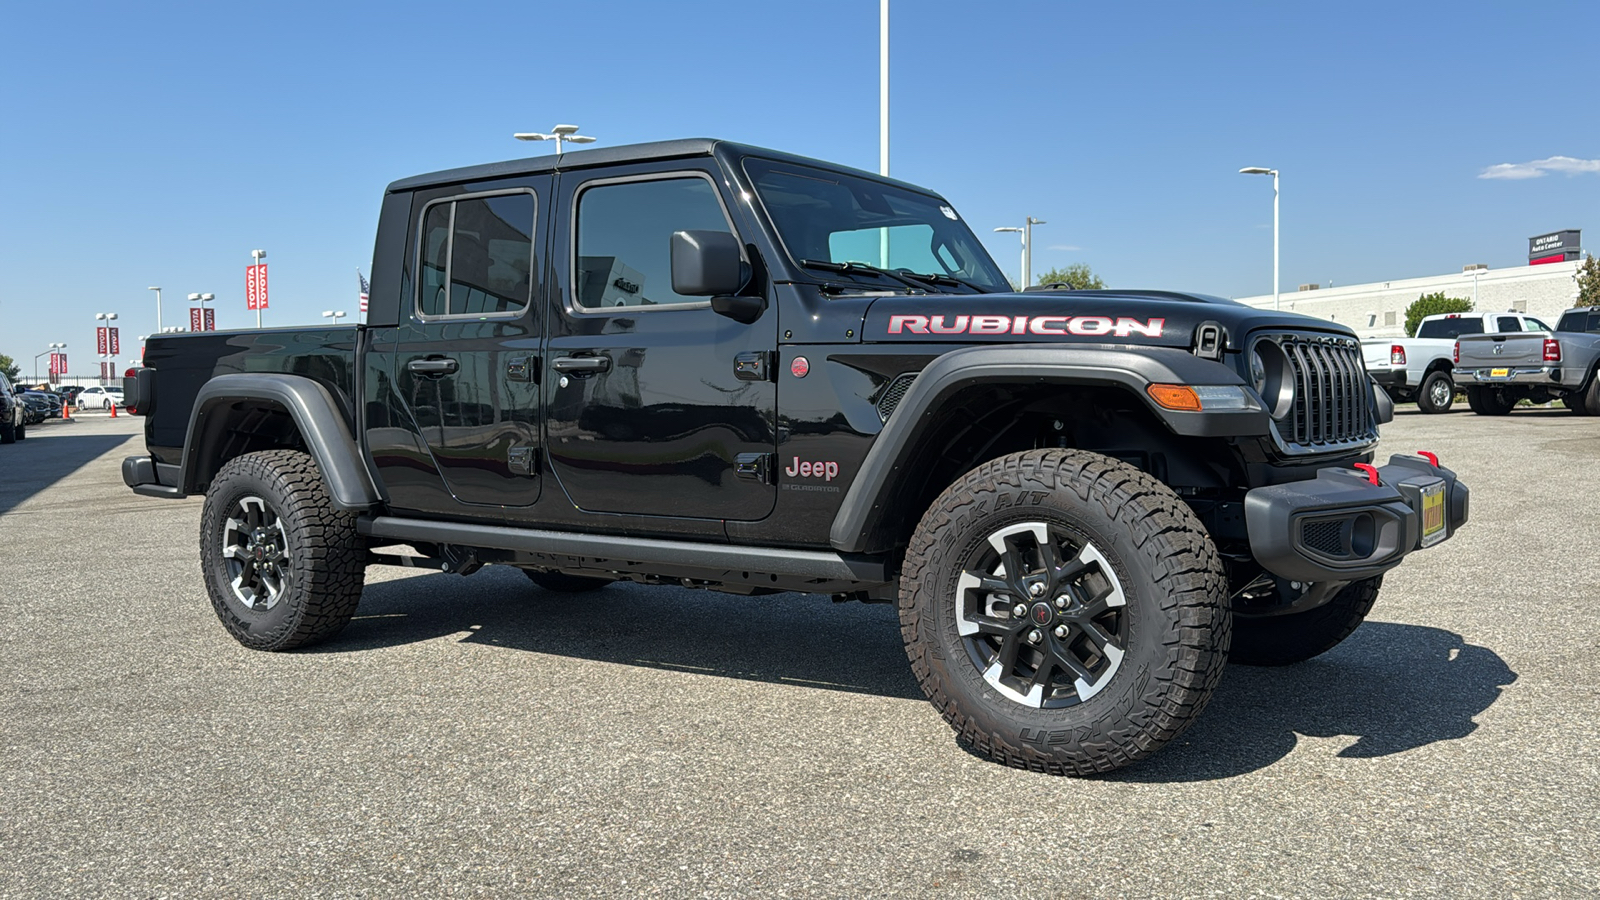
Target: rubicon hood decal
(1084, 326)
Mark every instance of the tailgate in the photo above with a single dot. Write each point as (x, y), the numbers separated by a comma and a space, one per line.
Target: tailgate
(1503, 350)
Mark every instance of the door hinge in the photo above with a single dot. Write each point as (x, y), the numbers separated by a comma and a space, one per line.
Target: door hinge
(754, 365)
(754, 466)
(523, 460)
(522, 368)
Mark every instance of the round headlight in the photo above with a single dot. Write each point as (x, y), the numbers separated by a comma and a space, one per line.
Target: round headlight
(1258, 371)
(1273, 377)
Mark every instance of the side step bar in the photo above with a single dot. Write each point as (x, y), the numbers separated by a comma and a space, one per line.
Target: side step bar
(646, 555)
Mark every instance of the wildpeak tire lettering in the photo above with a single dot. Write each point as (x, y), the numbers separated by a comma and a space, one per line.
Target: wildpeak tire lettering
(1082, 326)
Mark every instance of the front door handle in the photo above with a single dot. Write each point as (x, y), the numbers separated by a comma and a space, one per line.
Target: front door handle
(581, 365)
(434, 366)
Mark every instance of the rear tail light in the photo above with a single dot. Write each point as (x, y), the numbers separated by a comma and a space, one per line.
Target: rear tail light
(1455, 354)
(1552, 350)
(1397, 355)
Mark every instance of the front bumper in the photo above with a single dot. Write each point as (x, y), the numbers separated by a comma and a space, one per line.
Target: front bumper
(1340, 526)
(1533, 375)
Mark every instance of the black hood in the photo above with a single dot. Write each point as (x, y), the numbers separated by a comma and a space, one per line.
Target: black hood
(1154, 318)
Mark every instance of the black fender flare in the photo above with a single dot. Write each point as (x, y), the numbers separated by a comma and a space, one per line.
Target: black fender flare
(857, 524)
(316, 413)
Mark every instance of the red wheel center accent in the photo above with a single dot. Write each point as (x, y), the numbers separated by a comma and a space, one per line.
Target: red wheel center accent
(1041, 614)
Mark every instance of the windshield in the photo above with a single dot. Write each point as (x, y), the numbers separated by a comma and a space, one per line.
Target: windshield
(1450, 328)
(831, 217)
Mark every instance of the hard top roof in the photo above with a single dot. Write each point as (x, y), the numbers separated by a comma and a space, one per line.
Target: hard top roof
(626, 153)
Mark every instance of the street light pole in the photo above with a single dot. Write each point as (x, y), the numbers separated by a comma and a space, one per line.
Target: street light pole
(1024, 263)
(568, 133)
(53, 348)
(1027, 250)
(107, 318)
(1277, 300)
(334, 315)
(158, 305)
(883, 117)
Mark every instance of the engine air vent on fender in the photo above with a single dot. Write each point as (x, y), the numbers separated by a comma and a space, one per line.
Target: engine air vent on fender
(893, 393)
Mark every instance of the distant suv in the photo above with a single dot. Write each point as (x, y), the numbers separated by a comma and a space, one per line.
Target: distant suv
(13, 413)
(711, 365)
(1421, 368)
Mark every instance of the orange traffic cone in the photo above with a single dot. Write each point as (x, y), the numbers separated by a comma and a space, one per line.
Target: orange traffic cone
(113, 410)
(66, 411)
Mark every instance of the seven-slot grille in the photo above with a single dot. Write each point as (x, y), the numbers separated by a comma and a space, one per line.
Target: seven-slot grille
(1332, 397)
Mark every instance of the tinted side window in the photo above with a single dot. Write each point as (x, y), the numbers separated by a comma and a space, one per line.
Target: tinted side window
(624, 249)
(477, 256)
(1507, 323)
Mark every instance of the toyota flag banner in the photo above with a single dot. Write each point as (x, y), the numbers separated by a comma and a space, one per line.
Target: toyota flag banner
(100, 340)
(194, 319)
(114, 343)
(255, 286)
(210, 317)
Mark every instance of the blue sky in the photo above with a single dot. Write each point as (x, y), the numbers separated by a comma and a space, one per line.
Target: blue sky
(157, 144)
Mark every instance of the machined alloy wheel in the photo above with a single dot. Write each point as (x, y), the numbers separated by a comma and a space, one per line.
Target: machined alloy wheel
(256, 551)
(1064, 611)
(1040, 611)
(1438, 393)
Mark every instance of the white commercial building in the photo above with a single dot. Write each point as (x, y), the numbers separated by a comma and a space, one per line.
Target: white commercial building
(1378, 310)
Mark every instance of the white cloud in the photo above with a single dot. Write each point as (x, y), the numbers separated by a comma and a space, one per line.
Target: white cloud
(1565, 165)
(1065, 247)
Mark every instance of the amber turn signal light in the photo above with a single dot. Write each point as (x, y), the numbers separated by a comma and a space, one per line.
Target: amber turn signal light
(1175, 396)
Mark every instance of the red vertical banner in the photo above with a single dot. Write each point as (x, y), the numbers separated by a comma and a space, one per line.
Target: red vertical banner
(250, 287)
(211, 319)
(261, 286)
(194, 318)
(115, 342)
(55, 366)
(100, 340)
(105, 370)
(63, 362)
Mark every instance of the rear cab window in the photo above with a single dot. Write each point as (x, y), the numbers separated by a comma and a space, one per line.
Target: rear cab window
(1450, 328)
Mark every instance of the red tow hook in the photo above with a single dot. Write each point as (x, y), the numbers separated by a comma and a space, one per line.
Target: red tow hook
(1430, 457)
(1371, 470)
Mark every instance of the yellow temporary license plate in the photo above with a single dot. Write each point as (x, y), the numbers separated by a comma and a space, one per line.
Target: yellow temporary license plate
(1499, 373)
(1433, 514)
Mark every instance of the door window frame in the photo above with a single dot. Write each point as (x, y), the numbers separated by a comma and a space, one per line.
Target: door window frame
(449, 258)
(573, 307)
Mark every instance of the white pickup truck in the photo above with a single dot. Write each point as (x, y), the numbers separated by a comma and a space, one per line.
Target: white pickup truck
(1421, 368)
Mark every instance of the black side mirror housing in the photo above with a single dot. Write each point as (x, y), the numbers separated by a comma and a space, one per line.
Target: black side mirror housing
(737, 308)
(706, 263)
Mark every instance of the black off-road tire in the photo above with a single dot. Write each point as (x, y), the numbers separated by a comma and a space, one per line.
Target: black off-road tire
(1175, 624)
(1490, 401)
(562, 583)
(9, 432)
(1589, 401)
(1575, 403)
(321, 570)
(1437, 393)
(1296, 637)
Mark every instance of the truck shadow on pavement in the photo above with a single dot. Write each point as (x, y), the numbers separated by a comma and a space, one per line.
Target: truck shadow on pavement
(1390, 687)
(45, 457)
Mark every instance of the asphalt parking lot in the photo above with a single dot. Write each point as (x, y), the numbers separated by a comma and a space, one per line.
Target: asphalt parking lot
(478, 737)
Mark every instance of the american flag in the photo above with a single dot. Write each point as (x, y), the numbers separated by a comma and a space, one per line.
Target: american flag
(364, 289)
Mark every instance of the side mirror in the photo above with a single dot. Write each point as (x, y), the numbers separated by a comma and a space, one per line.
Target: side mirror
(706, 263)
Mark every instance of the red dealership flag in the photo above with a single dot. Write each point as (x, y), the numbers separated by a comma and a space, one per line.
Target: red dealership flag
(194, 318)
(261, 286)
(100, 340)
(211, 319)
(55, 366)
(63, 362)
(115, 343)
(250, 287)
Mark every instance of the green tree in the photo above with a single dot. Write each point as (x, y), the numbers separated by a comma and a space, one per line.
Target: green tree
(1588, 278)
(1078, 275)
(1432, 305)
(10, 368)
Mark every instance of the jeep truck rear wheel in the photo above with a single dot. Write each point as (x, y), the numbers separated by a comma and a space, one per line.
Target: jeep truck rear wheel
(1288, 638)
(1065, 612)
(283, 566)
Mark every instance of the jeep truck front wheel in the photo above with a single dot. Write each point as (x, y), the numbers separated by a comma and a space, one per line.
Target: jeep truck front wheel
(1065, 612)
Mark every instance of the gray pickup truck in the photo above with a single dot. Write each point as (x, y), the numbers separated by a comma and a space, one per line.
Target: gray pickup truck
(1498, 370)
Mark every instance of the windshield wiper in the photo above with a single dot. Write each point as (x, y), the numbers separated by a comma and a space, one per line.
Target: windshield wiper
(949, 279)
(852, 267)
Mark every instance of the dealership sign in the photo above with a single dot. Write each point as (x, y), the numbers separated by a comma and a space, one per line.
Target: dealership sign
(1557, 246)
(255, 286)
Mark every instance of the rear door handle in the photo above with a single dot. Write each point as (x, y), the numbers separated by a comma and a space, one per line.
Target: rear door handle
(434, 366)
(581, 365)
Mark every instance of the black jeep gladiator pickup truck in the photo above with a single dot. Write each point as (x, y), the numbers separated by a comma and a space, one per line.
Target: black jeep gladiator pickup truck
(712, 365)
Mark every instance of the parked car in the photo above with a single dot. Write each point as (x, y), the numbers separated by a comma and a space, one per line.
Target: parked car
(1500, 370)
(1421, 368)
(1085, 503)
(13, 414)
(97, 397)
(69, 392)
(50, 402)
(38, 406)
